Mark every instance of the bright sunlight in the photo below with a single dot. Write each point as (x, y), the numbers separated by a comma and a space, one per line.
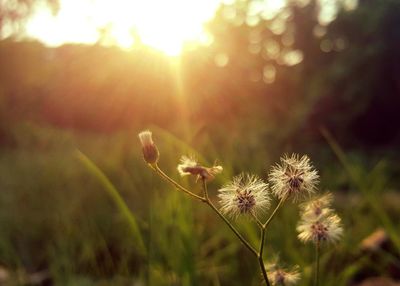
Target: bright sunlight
(167, 26)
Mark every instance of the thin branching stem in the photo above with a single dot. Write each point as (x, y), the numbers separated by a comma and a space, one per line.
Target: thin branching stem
(260, 224)
(171, 181)
(205, 189)
(263, 228)
(316, 273)
(260, 256)
(241, 238)
(265, 225)
(207, 200)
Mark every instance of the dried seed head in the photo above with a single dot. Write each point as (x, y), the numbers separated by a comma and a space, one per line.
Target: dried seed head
(281, 276)
(245, 201)
(149, 149)
(317, 208)
(326, 228)
(245, 194)
(294, 177)
(189, 166)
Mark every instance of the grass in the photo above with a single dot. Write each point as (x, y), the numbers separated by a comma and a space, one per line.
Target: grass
(115, 222)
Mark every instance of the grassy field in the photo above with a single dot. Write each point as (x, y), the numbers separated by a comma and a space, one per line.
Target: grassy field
(62, 224)
(78, 204)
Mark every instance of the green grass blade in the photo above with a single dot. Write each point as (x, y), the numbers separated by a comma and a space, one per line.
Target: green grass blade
(117, 199)
(359, 183)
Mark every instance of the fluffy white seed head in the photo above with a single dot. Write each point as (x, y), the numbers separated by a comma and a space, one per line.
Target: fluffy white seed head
(294, 177)
(317, 208)
(326, 228)
(245, 194)
(280, 276)
(149, 149)
(189, 166)
(186, 162)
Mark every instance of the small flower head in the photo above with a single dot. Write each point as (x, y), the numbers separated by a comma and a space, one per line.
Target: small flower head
(317, 208)
(324, 229)
(245, 194)
(294, 177)
(281, 276)
(187, 163)
(149, 149)
(189, 166)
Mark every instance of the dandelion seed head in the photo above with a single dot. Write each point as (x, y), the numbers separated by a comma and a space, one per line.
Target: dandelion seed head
(210, 173)
(187, 163)
(245, 201)
(281, 276)
(294, 177)
(245, 194)
(149, 149)
(189, 166)
(318, 207)
(327, 229)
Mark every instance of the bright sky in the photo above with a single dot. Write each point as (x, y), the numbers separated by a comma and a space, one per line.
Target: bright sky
(163, 24)
(166, 25)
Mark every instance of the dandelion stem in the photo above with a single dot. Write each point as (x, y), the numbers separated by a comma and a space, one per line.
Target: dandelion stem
(257, 220)
(207, 201)
(241, 238)
(264, 226)
(205, 189)
(260, 256)
(178, 186)
(316, 278)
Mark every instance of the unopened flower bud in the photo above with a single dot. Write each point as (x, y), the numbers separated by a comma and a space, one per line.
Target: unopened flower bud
(149, 149)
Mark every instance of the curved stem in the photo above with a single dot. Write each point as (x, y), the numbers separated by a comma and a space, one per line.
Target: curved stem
(178, 186)
(244, 241)
(206, 200)
(260, 256)
(316, 274)
(264, 226)
(241, 238)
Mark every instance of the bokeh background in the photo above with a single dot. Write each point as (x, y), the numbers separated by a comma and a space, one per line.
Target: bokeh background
(242, 83)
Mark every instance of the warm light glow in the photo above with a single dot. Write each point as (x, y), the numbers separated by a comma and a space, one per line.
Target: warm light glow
(165, 25)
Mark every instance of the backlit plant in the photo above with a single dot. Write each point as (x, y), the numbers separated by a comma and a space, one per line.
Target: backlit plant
(293, 179)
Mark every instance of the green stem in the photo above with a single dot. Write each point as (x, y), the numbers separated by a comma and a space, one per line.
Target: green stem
(316, 274)
(241, 238)
(264, 226)
(205, 189)
(206, 200)
(178, 186)
(260, 256)
(257, 220)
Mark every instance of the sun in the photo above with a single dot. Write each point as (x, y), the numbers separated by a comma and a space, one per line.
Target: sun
(166, 25)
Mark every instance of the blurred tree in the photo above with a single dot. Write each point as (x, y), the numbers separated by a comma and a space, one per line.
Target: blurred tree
(314, 63)
(360, 86)
(13, 13)
(288, 69)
